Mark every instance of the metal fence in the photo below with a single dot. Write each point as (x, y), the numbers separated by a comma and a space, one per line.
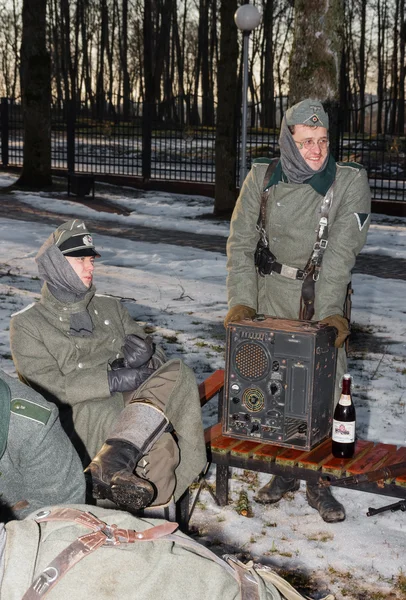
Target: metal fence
(163, 148)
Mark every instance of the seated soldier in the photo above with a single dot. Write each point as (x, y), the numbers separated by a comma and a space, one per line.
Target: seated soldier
(83, 351)
(38, 464)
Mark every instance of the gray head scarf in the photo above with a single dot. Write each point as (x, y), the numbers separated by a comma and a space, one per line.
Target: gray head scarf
(64, 284)
(307, 112)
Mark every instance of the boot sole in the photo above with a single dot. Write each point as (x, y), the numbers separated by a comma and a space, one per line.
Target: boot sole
(99, 489)
(132, 497)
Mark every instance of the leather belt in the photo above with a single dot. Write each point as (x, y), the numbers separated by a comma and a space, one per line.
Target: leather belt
(289, 272)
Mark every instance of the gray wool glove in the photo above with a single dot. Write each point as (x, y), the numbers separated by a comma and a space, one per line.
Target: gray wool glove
(127, 380)
(137, 351)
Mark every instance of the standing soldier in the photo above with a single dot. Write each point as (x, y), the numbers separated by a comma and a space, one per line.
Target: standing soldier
(295, 262)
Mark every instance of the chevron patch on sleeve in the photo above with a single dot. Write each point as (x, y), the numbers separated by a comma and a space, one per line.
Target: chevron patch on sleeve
(362, 218)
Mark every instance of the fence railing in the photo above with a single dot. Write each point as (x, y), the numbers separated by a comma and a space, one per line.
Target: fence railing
(151, 146)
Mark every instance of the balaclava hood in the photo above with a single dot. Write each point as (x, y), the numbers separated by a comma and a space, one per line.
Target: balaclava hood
(308, 112)
(71, 239)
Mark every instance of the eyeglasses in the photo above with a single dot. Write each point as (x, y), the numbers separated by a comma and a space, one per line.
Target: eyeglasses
(310, 143)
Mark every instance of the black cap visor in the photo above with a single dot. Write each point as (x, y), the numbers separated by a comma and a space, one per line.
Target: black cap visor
(82, 252)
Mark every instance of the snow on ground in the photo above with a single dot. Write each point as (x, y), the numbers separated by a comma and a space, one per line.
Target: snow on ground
(179, 294)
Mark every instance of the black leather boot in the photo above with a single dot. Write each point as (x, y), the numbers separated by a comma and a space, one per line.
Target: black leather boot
(323, 500)
(276, 488)
(111, 475)
(111, 472)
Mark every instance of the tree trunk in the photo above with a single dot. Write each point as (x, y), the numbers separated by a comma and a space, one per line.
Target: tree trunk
(226, 151)
(100, 89)
(315, 57)
(402, 75)
(394, 72)
(380, 53)
(124, 61)
(36, 97)
(267, 82)
(362, 69)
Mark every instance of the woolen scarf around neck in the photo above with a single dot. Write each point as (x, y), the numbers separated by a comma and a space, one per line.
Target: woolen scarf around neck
(65, 285)
(294, 165)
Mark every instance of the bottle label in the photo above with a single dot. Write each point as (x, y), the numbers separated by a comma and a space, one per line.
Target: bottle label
(343, 432)
(345, 400)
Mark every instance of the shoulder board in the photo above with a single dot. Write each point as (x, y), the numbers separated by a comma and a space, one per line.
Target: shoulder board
(30, 410)
(262, 160)
(352, 165)
(23, 309)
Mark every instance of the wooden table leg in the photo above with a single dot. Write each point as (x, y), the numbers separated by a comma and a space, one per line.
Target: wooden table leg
(222, 476)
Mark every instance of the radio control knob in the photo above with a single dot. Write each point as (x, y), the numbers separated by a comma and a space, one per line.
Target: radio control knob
(235, 400)
(254, 428)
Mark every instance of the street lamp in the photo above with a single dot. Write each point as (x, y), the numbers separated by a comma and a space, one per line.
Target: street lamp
(247, 17)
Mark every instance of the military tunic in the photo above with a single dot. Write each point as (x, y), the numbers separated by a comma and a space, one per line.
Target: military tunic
(292, 220)
(38, 464)
(72, 372)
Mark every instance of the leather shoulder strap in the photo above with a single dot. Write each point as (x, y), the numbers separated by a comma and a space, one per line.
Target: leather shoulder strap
(264, 199)
(5, 401)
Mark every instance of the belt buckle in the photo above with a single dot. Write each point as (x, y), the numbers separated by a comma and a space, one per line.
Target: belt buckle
(289, 272)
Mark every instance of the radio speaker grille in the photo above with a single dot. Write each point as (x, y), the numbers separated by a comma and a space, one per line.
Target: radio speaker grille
(251, 361)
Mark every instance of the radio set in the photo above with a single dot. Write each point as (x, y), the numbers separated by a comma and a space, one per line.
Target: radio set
(279, 381)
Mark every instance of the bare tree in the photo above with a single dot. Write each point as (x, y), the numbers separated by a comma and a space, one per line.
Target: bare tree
(402, 72)
(36, 97)
(314, 71)
(225, 190)
(267, 66)
(10, 41)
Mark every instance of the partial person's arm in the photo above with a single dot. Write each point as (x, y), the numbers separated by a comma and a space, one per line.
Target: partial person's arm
(242, 286)
(347, 236)
(49, 465)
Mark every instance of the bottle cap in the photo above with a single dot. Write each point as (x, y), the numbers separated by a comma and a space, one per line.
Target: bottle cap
(346, 376)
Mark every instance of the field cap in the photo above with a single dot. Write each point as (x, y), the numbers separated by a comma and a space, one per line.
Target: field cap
(307, 112)
(73, 239)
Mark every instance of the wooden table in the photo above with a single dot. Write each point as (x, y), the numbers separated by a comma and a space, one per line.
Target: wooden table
(227, 452)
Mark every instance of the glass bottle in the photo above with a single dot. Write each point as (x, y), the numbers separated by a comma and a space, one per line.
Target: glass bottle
(343, 435)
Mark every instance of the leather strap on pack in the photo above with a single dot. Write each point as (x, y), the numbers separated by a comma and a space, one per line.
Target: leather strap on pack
(111, 535)
(103, 534)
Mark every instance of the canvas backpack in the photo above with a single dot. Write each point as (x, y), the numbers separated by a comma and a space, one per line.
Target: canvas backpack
(66, 552)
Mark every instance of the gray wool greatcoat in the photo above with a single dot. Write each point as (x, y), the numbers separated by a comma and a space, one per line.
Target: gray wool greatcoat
(38, 464)
(292, 219)
(72, 372)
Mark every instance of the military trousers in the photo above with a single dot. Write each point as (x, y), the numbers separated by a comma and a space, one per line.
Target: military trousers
(176, 458)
